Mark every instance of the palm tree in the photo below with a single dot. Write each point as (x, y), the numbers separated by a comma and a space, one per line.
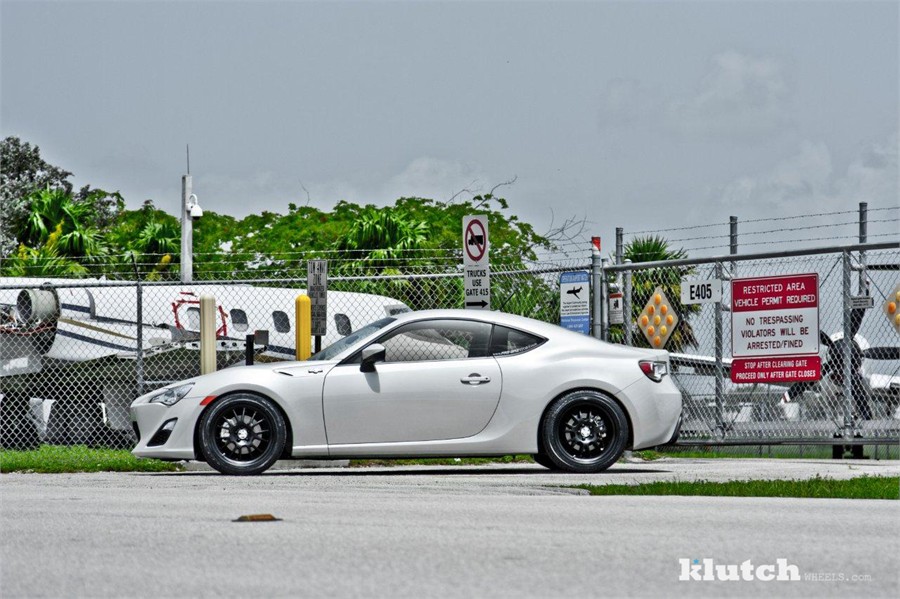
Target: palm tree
(383, 239)
(42, 261)
(50, 209)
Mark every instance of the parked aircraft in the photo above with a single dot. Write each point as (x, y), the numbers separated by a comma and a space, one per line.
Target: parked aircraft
(72, 320)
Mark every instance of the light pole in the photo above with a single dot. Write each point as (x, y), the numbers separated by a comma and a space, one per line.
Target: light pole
(190, 211)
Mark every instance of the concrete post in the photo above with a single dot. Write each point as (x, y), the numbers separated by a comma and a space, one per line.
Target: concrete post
(207, 334)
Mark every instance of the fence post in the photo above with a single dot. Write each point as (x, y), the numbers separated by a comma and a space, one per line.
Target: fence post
(720, 369)
(597, 293)
(139, 341)
(626, 305)
(863, 237)
(848, 383)
(604, 300)
(733, 242)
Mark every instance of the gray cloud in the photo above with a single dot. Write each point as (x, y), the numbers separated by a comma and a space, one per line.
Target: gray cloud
(741, 97)
(808, 181)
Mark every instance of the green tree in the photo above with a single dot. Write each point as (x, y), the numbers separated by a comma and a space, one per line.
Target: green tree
(22, 171)
(42, 261)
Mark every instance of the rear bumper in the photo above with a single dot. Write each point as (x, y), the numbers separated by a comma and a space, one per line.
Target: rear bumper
(677, 431)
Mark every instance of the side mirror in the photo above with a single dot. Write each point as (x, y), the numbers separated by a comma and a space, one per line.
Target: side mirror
(370, 355)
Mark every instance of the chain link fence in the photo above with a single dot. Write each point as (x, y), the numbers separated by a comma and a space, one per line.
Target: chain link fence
(74, 353)
(857, 400)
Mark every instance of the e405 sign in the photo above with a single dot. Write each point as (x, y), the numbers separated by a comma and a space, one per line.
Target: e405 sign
(701, 292)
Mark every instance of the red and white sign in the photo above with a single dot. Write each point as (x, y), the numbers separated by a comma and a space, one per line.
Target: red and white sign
(775, 329)
(476, 263)
(475, 240)
(779, 369)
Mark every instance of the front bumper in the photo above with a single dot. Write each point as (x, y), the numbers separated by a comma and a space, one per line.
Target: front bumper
(148, 420)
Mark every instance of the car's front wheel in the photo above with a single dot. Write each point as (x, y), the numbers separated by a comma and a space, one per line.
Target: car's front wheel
(584, 431)
(242, 434)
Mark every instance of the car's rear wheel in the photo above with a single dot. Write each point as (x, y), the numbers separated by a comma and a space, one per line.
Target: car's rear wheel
(242, 434)
(584, 431)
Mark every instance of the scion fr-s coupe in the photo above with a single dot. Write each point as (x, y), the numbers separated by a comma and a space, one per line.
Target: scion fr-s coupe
(423, 384)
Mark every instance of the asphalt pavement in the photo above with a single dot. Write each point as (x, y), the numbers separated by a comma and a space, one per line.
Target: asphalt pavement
(457, 531)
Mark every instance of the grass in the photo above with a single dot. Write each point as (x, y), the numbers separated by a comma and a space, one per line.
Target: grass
(787, 452)
(78, 458)
(863, 487)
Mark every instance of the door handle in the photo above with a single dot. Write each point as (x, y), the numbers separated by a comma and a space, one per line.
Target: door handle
(474, 379)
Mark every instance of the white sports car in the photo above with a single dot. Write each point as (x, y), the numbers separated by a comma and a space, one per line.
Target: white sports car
(423, 384)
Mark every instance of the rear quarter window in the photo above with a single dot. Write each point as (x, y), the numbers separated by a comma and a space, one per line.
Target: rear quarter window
(509, 342)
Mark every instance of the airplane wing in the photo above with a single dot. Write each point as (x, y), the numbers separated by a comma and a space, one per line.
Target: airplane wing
(702, 364)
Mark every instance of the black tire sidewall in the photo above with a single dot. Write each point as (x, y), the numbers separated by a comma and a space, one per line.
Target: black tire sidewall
(553, 445)
(211, 451)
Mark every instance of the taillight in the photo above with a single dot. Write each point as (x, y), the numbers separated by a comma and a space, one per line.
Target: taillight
(654, 370)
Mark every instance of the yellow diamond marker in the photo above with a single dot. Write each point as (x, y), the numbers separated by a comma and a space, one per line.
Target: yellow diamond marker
(658, 310)
(892, 308)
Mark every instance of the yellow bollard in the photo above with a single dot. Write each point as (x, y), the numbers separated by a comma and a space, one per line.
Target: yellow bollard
(303, 314)
(207, 334)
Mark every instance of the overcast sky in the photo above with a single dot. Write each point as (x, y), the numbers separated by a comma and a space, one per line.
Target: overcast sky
(643, 115)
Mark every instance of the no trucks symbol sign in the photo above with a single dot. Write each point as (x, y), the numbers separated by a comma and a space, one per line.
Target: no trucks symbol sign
(476, 266)
(475, 240)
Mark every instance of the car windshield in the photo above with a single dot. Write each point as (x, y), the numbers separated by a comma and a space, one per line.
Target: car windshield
(339, 346)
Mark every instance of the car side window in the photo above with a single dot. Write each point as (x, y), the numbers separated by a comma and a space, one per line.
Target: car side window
(437, 340)
(508, 342)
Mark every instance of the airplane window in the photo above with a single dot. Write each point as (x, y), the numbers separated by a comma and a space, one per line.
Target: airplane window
(342, 321)
(281, 321)
(239, 320)
(193, 319)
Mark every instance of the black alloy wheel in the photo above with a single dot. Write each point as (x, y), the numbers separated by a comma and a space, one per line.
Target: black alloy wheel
(242, 434)
(584, 431)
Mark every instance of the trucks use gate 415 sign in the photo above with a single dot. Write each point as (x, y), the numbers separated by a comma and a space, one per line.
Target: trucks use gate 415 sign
(775, 329)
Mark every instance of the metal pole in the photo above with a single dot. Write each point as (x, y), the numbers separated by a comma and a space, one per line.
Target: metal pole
(626, 304)
(733, 235)
(848, 384)
(604, 301)
(620, 251)
(250, 342)
(863, 237)
(597, 293)
(733, 241)
(187, 232)
(139, 340)
(720, 369)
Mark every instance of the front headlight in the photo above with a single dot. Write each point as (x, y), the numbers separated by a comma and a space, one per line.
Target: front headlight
(170, 395)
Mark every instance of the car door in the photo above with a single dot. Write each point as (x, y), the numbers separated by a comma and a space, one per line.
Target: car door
(437, 382)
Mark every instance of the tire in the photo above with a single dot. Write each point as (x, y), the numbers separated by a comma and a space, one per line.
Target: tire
(242, 434)
(584, 431)
(544, 461)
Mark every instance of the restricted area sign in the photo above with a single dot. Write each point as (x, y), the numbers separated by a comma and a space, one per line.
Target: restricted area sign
(574, 301)
(317, 290)
(476, 265)
(775, 329)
